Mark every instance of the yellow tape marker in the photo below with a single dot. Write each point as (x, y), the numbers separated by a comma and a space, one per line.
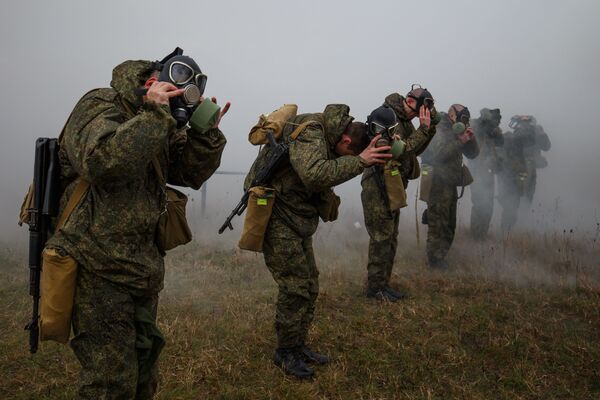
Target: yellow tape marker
(395, 172)
(261, 202)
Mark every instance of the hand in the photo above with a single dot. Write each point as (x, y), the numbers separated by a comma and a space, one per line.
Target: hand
(425, 116)
(375, 155)
(466, 135)
(223, 111)
(161, 92)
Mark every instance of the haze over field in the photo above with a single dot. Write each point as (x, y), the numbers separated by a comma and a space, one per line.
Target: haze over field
(535, 57)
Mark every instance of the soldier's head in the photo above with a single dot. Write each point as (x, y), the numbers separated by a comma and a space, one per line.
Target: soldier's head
(415, 99)
(382, 121)
(459, 113)
(353, 141)
(183, 72)
(490, 116)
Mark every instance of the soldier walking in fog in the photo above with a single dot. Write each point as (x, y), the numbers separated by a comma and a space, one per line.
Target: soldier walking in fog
(484, 168)
(534, 160)
(443, 161)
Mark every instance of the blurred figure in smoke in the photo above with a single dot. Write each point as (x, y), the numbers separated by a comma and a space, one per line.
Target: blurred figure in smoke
(484, 167)
(381, 204)
(513, 176)
(534, 160)
(443, 166)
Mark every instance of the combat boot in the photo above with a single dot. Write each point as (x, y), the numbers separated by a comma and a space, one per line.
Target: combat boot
(381, 295)
(313, 357)
(290, 360)
(396, 293)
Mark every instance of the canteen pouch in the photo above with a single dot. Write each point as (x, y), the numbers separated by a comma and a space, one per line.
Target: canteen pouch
(394, 187)
(205, 116)
(172, 229)
(328, 204)
(466, 177)
(57, 292)
(258, 214)
(426, 181)
(273, 122)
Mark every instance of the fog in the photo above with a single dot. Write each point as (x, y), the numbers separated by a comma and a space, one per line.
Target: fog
(535, 57)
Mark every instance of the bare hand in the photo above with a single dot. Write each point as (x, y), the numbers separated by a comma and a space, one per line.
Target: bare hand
(223, 111)
(161, 92)
(425, 116)
(466, 135)
(375, 155)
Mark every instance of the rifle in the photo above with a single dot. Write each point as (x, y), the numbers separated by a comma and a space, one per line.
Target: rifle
(46, 197)
(278, 153)
(378, 176)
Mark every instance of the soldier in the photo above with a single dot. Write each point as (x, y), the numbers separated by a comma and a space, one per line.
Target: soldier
(514, 168)
(443, 158)
(110, 141)
(331, 150)
(484, 167)
(535, 160)
(381, 221)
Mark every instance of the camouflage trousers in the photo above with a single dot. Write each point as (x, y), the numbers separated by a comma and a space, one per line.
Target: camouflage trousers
(482, 198)
(509, 197)
(382, 226)
(291, 261)
(441, 220)
(105, 340)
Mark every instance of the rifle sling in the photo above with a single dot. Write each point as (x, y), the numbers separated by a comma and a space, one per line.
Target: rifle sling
(80, 190)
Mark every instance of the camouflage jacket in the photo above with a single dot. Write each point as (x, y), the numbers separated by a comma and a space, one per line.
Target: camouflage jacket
(533, 154)
(445, 153)
(313, 168)
(488, 137)
(514, 164)
(110, 140)
(416, 139)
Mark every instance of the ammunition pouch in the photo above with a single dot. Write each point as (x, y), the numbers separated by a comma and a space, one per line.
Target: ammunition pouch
(328, 204)
(426, 182)
(394, 186)
(258, 215)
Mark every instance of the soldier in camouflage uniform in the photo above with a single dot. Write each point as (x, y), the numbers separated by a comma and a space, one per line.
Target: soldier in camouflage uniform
(483, 168)
(328, 152)
(445, 155)
(535, 160)
(110, 140)
(513, 176)
(380, 221)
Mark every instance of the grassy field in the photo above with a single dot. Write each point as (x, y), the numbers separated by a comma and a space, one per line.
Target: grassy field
(513, 319)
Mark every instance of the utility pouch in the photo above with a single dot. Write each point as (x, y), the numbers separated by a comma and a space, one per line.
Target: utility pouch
(258, 214)
(172, 229)
(58, 281)
(415, 169)
(426, 181)
(394, 186)
(328, 205)
(465, 177)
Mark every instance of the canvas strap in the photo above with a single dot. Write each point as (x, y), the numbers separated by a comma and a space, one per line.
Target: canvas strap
(300, 128)
(80, 190)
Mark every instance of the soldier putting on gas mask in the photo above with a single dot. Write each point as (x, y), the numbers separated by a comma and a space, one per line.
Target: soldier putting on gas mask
(384, 188)
(122, 145)
(443, 171)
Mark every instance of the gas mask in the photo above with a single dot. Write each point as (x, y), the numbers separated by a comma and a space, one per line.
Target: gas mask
(183, 72)
(382, 121)
(463, 117)
(422, 96)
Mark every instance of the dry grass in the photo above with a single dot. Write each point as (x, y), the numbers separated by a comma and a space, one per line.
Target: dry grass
(515, 318)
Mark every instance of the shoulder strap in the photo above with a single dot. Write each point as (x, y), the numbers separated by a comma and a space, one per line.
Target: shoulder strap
(300, 128)
(80, 190)
(158, 170)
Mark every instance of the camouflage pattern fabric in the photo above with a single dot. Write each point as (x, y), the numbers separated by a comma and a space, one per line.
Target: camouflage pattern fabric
(110, 141)
(291, 261)
(535, 160)
(105, 340)
(381, 223)
(445, 155)
(483, 168)
(313, 168)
